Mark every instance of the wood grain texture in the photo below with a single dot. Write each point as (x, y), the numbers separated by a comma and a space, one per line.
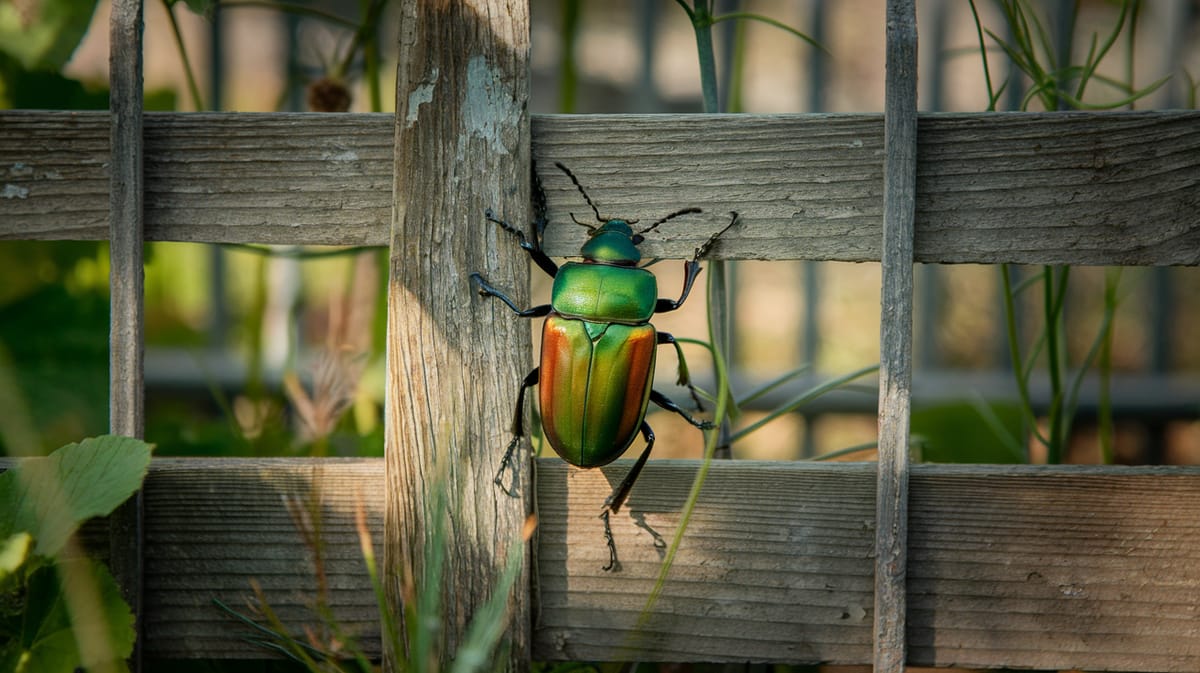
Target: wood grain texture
(215, 525)
(1038, 188)
(126, 376)
(896, 336)
(1085, 568)
(299, 178)
(454, 359)
(1024, 567)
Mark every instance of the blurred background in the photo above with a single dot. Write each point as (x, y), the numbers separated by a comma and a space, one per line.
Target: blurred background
(255, 351)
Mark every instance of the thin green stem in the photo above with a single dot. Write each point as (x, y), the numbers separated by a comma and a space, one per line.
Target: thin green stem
(1015, 447)
(710, 446)
(718, 299)
(193, 88)
(1091, 64)
(568, 79)
(751, 16)
(364, 32)
(772, 385)
(1112, 278)
(1014, 346)
(833, 455)
(292, 8)
(719, 324)
(734, 97)
(802, 399)
(702, 21)
(1053, 315)
(983, 57)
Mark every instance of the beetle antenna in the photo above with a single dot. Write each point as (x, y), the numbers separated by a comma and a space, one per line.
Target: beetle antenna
(685, 211)
(590, 228)
(704, 249)
(539, 205)
(578, 186)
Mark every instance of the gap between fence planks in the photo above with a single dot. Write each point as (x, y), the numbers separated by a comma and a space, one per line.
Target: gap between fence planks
(1053, 188)
(1038, 567)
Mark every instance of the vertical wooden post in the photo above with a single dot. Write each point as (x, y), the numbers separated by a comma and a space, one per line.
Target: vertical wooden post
(895, 374)
(455, 362)
(126, 343)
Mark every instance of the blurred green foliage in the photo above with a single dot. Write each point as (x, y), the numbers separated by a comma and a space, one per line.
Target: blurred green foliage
(54, 327)
(54, 294)
(969, 432)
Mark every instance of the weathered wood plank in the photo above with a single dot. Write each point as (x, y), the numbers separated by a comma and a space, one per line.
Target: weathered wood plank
(214, 525)
(1064, 187)
(1088, 568)
(895, 336)
(126, 376)
(1027, 567)
(210, 177)
(461, 146)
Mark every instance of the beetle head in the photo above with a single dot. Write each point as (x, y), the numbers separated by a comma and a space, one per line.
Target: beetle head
(612, 243)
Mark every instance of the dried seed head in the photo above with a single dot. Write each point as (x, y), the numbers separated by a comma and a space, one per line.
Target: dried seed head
(328, 95)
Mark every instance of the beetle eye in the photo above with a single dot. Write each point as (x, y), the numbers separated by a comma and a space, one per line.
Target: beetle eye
(637, 239)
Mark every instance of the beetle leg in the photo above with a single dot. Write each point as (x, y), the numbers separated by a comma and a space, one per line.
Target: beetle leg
(617, 498)
(666, 403)
(534, 248)
(685, 378)
(691, 269)
(487, 290)
(613, 563)
(518, 430)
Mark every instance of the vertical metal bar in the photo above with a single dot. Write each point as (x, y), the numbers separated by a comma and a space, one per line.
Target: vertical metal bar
(126, 342)
(895, 373)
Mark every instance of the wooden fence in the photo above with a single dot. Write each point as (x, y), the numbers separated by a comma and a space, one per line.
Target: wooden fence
(1041, 567)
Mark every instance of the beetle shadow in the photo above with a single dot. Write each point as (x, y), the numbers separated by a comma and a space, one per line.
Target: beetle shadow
(637, 515)
(660, 544)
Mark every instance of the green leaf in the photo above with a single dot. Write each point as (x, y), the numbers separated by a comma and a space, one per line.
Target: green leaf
(104, 630)
(78, 599)
(43, 35)
(13, 553)
(45, 641)
(50, 497)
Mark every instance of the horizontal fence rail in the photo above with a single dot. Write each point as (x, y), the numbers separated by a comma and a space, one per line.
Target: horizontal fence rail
(1028, 567)
(1045, 188)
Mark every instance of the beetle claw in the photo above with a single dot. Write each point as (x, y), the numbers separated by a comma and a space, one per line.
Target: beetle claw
(505, 464)
(614, 565)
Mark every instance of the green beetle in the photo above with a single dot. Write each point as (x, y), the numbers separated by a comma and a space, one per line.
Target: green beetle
(598, 346)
